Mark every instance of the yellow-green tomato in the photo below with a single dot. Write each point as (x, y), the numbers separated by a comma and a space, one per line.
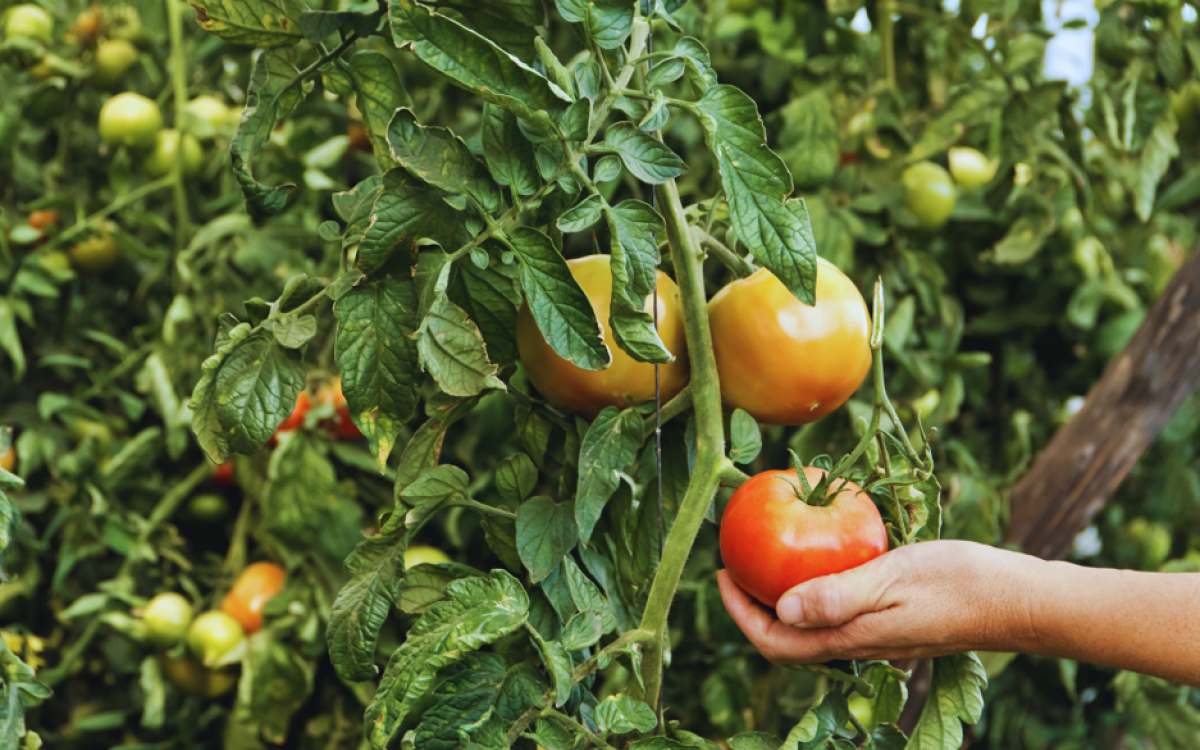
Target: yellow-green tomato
(29, 22)
(929, 194)
(95, 254)
(862, 709)
(414, 556)
(189, 676)
(130, 119)
(971, 169)
(212, 111)
(167, 618)
(213, 636)
(114, 57)
(166, 149)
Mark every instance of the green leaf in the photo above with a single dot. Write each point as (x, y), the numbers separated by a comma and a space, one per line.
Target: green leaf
(588, 77)
(452, 350)
(558, 664)
(301, 493)
(1161, 710)
(609, 447)
(274, 684)
(619, 714)
(607, 169)
(478, 612)
(586, 596)
(977, 105)
(586, 213)
(407, 212)
(755, 741)
(424, 447)
(609, 22)
(378, 359)
(10, 342)
(745, 437)
(545, 533)
(551, 735)
(476, 64)
(649, 159)
(516, 476)
(261, 23)
(955, 696)
(468, 692)
(562, 311)
(699, 65)
(491, 297)
(442, 159)
(509, 154)
(891, 692)
(554, 68)
(582, 631)
(756, 184)
(809, 140)
(575, 122)
(818, 726)
(1156, 158)
(431, 490)
(667, 71)
(255, 390)
(657, 743)
(634, 265)
(380, 92)
(425, 584)
(269, 99)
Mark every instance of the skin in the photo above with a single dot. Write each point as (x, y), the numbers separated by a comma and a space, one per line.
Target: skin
(624, 383)
(256, 586)
(785, 362)
(944, 597)
(771, 539)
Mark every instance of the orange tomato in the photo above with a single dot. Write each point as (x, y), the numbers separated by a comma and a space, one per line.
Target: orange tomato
(8, 461)
(771, 540)
(625, 382)
(296, 420)
(256, 586)
(39, 220)
(783, 361)
(341, 425)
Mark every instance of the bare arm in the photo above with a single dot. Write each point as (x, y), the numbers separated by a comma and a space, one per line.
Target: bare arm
(939, 598)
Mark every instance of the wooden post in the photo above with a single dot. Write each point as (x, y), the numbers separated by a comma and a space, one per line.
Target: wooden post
(1142, 387)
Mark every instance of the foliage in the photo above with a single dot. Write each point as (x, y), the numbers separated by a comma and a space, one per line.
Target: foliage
(387, 228)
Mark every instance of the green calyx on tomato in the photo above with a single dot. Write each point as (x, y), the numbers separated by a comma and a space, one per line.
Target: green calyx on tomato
(625, 382)
(114, 57)
(166, 149)
(213, 637)
(28, 22)
(929, 194)
(772, 540)
(130, 119)
(970, 168)
(167, 618)
(785, 362)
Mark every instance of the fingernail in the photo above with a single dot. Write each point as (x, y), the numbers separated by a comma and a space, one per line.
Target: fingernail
(790, 610)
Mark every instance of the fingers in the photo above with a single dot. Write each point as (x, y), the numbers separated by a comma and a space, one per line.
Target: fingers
(777, 642)
(830, 601)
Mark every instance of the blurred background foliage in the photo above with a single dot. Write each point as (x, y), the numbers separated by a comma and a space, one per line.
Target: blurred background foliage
(999, 322)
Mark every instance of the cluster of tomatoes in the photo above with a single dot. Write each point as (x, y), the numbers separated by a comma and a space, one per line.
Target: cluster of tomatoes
(199, 652)
(930, 192)
(781, 361)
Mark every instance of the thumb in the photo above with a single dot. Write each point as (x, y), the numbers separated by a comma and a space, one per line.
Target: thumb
(833, 600)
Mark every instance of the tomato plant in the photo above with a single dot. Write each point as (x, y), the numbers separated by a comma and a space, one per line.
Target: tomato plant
(970, 168)
(775, 534)
(625, 381)
(423, 553)
(785, 362)
(113, 58)
(193, 678)
(257, 585)
(95, 254)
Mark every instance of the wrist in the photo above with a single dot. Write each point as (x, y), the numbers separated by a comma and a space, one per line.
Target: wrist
(1016, 594)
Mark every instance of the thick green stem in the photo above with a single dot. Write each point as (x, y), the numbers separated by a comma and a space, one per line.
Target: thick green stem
(710, 435)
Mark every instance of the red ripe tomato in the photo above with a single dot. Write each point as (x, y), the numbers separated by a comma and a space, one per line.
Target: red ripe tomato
(40, 220)
(256, 586)
(222, 476)
(783, 361)
(296, 420)
(625, 382)
(341, 425)
(771, 540)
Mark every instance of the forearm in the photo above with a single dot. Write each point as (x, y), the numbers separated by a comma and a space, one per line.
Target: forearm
(1145, 622)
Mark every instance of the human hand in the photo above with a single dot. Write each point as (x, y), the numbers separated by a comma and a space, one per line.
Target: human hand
(923, 600)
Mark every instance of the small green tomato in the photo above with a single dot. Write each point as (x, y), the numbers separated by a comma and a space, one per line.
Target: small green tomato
(971, 169)
(213, 636)
(167, 618)
(930, 194)
(130, 119)
(166, 147)
(29, 22)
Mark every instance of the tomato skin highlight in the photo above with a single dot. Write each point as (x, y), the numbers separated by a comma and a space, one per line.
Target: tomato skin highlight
(256, 586)
(130, 119)
(771, 540)
(785, 362)
(625, 382)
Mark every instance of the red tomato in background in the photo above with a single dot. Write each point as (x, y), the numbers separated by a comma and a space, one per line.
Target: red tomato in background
(256, 586)
(771, 540)
(222, 475)
(341, 425)
(296, 420)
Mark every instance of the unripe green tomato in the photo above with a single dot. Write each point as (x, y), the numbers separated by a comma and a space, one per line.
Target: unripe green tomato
(971, 169)
(926, 404)
(130, 119)
(212, 111)
(1091, 257)
(166, 147)
(862, 709)
(929, 195)
(167, 618)
(29, 22)
(213, 636)
(114, 57)
(95, 254)
(1153, 541)
(189, 676)
(416, 555)
(209, 507)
